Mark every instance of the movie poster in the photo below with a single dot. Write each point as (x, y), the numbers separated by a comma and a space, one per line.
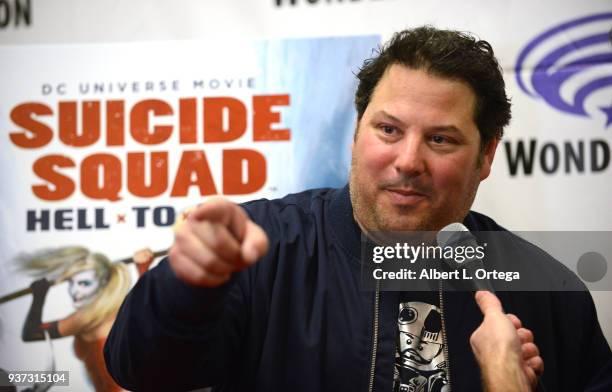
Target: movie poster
(105, 145)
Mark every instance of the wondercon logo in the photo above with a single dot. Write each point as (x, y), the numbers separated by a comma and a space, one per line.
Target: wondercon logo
(570, 67)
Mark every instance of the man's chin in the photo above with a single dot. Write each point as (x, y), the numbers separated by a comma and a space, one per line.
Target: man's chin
(403, 223)
(414, 219)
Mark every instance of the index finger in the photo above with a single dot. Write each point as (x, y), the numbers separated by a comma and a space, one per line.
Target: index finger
(255, 243)
(488, 302)
(223, 211)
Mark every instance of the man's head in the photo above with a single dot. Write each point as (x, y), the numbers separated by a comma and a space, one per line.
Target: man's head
(450, 55)
(431, 108)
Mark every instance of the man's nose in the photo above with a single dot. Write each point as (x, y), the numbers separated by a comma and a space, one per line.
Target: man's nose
(410, 158)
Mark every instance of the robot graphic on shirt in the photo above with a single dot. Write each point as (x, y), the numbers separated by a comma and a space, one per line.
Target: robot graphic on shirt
(419, 362)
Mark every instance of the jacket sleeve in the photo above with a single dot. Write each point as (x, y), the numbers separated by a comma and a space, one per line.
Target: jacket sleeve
(595, 345)
(602, 382)
(172, 336)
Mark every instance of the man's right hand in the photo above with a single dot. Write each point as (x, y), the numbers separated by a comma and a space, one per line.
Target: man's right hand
(508, 358)
(216, 240)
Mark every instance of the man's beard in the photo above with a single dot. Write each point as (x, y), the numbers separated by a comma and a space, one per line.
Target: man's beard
(370, 216)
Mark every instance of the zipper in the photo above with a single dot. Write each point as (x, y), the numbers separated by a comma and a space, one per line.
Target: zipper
(375, 336)
(444, 336)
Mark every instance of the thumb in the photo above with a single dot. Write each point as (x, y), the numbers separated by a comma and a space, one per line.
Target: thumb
(254, 244)
(488, 302)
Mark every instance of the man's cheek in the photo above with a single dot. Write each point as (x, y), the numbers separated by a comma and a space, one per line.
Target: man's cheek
(367, 173)
(451, 175)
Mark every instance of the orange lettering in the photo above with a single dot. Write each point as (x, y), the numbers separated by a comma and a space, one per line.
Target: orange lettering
(110, 186)
(187, 121)
(45, 168)
(68, 123)
(214, 109)
(136, 174)
(264, 117)
(39, 134)
(115, 128)
(139, 120)
(193, 162)
(233, 181)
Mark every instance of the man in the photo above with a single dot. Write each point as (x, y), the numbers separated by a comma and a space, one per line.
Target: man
(267, 295)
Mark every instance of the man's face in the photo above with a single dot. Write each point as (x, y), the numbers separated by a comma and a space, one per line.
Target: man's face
(415, 159)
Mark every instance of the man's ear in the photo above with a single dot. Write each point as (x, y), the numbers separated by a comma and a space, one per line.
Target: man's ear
(487, 158)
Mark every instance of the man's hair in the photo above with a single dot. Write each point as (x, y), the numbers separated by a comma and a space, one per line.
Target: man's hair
(449, 54)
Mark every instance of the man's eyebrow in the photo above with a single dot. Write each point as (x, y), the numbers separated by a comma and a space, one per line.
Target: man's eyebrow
(389, 117)
(437, 128)
(445, 128)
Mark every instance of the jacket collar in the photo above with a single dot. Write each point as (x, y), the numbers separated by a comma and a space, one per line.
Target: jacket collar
(343, 224)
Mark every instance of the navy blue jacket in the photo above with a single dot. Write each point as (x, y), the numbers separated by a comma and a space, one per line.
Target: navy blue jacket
(299, 320)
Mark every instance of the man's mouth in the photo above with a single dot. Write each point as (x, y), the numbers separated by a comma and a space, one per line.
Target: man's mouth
(405, 196)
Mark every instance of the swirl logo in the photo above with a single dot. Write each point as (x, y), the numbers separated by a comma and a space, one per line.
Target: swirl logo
(570, 67)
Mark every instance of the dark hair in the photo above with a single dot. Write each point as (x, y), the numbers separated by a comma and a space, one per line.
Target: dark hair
(449, 54)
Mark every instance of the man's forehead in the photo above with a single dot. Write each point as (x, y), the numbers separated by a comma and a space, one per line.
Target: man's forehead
(405, 78)
(446, 106)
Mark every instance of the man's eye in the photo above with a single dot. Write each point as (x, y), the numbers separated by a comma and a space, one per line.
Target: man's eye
(438, 139)
(387, 129)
